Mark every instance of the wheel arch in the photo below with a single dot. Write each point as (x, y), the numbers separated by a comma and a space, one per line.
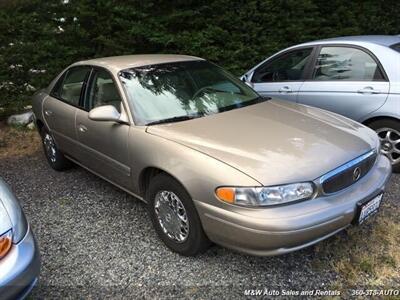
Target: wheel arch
(150, 172)
(368, 121)
(39, 125)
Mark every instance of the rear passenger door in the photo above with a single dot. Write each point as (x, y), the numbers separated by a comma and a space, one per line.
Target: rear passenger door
(103, 146)
(282, 76)
(345, 79)
(60, 107)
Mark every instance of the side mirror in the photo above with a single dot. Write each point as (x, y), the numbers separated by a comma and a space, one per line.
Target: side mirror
(245, 79)
(106, 113)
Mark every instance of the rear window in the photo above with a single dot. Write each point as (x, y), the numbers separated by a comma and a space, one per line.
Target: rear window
(396, 47)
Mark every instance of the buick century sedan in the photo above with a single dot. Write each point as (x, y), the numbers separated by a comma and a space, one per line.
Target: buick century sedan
(213, 160)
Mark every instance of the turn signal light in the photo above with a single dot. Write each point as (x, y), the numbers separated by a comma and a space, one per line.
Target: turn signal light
(5, 243)
(226, 194)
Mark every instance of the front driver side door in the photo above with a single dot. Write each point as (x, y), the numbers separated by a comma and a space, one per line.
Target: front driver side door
(103, 145)
(282, 76)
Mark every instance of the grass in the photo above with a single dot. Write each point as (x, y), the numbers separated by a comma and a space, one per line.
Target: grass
(365, 256)
(16, 141)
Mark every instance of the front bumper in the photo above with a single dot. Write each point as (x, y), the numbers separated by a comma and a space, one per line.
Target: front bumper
(279, 230)
(19, 270)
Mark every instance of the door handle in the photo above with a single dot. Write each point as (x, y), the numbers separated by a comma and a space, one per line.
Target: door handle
(368, 90)
(48, 112)
(82, 128)
(285, 89)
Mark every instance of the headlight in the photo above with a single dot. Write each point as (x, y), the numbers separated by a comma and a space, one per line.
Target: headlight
(5, 232)
(266, 196)
(5, 243)
(15, 214)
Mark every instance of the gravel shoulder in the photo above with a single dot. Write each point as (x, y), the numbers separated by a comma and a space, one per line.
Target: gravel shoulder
(97, 242)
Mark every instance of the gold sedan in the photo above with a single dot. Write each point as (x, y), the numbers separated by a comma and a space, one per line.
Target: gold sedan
(213, 160)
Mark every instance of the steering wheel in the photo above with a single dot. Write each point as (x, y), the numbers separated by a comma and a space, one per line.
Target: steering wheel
(205, 88)
(279, 75)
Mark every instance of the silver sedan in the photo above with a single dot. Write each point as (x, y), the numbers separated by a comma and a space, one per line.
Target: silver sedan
(355, 76)
(19, 255)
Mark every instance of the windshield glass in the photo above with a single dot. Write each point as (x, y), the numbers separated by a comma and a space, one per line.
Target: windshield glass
(182, 90)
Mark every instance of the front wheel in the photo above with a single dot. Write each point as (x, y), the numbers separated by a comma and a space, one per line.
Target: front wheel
(389, 135)
(174, 216)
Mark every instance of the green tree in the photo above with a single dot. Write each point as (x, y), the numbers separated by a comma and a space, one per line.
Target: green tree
(40, 38)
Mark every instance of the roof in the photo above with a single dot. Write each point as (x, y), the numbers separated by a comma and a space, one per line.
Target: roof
(131, 61)
(384, 40)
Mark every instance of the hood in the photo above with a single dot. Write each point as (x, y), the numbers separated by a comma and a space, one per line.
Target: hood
(274, 142)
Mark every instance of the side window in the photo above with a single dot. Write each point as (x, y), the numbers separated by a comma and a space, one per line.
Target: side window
(57, 87)
(287, 67)
(103, 91)
(396, 47)
(346, 63)
(69, 87)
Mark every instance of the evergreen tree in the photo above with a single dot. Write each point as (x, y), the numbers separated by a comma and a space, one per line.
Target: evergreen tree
(40, 38)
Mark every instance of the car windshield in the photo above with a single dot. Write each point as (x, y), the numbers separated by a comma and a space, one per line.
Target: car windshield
(180, 91)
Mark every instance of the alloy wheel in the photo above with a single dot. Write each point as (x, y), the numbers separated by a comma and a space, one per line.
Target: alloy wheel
(390, 143)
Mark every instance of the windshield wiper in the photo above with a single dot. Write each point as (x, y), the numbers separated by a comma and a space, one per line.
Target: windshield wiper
(174, 119)
(260, 99)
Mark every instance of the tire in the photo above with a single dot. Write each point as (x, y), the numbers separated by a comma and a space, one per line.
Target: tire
(389, 146)
(54, 156)
(193, 240)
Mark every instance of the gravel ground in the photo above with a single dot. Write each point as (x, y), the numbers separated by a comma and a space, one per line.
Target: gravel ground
(97, 241)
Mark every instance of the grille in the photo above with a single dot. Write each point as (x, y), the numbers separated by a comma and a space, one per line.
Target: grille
(348, 173)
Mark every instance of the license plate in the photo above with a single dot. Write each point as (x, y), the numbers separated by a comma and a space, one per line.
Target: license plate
(368, 209)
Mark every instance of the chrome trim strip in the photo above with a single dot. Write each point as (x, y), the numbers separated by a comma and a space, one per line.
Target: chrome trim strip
(346, 166)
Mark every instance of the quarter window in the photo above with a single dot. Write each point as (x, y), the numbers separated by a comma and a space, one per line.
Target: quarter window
(103, 91)
(346, 63)
(287, 67)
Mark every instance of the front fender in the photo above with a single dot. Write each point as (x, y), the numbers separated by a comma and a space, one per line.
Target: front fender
(199, 173)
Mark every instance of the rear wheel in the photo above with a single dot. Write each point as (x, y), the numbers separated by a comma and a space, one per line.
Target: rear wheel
(54, 156)
(389, 135)
(174, 216)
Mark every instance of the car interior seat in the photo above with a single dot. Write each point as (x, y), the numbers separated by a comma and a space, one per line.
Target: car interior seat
(107, 94)
(71, 92)
(357, 65)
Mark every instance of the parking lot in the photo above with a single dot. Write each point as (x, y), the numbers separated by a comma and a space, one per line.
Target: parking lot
(97, 241)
